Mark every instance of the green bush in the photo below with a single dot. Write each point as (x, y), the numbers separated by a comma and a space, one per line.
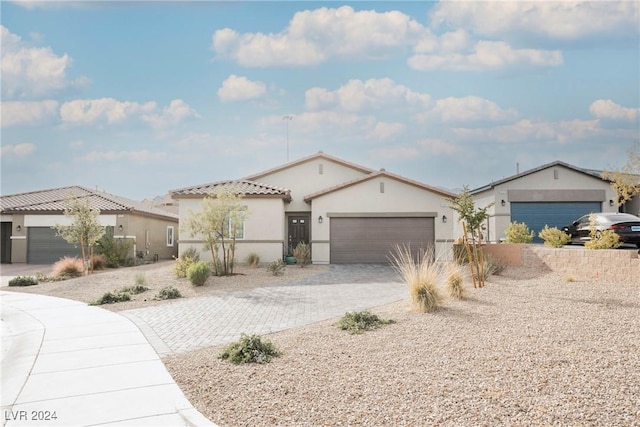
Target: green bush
(168, 293)
(606, 239)
(253, 260)
(518, 232)
(23, 281)
(140, 279)
(553, 236)
(134, 290)
(302, 254)
(186, 260)
(116, 251)
(359, 321)
(112, 297)
(277, 267)
(250, 349)
(198, 273)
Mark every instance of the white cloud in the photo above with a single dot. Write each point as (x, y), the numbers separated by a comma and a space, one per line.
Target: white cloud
(525, 130)
(142, 156)
(385, 131)
(607, 109)
(357, 95)
(26, 113)
(18, 149)
(564, 20)
(438, 147)
(469, 109)
(314, 36)
(102, 111)
(29, 72)
(177, 112)
(485, 55)
(239, 88)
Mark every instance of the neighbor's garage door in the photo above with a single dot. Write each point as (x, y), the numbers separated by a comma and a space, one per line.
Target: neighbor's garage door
(44, 247)
(554, 214)
(370, 240)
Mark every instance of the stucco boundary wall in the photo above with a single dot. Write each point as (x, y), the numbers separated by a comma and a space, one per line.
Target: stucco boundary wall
(607, 265)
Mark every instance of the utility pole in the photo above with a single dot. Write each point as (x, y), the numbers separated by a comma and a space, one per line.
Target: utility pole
(288, 118)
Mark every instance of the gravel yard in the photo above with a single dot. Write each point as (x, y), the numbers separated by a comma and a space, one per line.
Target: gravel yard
(522, 351)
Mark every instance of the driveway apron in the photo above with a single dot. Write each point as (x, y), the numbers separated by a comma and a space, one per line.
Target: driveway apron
(196, 323)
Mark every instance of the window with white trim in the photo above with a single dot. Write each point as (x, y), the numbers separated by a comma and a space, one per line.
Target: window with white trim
(170, 236)
(239, 230)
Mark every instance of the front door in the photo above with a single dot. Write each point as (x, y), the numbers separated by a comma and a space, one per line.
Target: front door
(298, 230)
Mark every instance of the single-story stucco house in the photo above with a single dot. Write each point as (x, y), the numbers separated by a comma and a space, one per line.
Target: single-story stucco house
(28, 218)
(554, 194)
(347, 213)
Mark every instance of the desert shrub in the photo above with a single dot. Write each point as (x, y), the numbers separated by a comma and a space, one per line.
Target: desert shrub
(605, 239)
(41, 278)
(454, 281)
(198, 273)
(116, 251)
(253, 260)
(134, 290)
(518, 232)
(23, 281)
(250, 349)
(140, 279)
(422, 277)
(359, 321)
(68, 267)
(112, 297)
(168, 293)
(277, 267)
(302, 254)
(186, 260)
(553, 236)
(98, 262)
(492, 265)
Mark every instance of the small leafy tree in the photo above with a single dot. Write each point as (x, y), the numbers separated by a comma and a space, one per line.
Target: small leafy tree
(472, 219)
(218, 223)
(626, 181)
(85, 229)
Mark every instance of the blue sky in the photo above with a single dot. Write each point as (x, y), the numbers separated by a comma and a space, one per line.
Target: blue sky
(138, 98)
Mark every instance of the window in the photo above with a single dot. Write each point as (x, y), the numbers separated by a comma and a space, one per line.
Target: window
(239, 229)
(170, 236)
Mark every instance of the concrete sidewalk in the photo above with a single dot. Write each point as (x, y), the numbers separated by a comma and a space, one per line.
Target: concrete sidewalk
(68, 364)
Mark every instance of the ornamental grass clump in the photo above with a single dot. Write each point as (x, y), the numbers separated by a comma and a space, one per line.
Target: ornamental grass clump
(253, 260)
(554, 237)
(277, 267)
(422, 276)
(67, 268)
(454, 282)
(302, 254)
(250, 349)
(359, 321)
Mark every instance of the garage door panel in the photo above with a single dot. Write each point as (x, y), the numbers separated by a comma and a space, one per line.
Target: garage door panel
(44, 246)
(371, 240)
(554, 214)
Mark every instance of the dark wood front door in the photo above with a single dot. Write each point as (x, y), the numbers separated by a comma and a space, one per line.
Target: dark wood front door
(298, 230)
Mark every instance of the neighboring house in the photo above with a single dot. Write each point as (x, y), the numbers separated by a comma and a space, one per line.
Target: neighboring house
(554, 194)
(346, 212)
(28, 218)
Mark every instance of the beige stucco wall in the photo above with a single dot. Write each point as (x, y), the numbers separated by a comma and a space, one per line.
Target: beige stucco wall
(365, 198)
(305, 179)
(153, 243)
(567, 179)
(263, 229)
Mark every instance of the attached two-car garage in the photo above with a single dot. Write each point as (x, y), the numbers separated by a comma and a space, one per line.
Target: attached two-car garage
(554, 214)
(372, 239)
(44, 246)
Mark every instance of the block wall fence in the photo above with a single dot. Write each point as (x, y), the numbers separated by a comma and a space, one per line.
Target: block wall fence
(606, 265)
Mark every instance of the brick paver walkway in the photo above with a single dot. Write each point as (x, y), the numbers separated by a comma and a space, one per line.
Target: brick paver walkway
(201, 322)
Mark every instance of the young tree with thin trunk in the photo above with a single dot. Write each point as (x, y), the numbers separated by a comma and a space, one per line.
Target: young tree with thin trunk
(85, 229)
(218, 222)
(626, 181)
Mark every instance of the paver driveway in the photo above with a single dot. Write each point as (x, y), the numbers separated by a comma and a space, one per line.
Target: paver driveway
(206, 321)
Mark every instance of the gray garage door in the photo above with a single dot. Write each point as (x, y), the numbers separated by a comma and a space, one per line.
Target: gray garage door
(44, 247)
(370, 240)
(553, 214)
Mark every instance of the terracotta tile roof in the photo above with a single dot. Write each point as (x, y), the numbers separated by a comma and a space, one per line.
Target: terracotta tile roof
(53, 200)
(380, 173)
(318, 155)
(241, 186)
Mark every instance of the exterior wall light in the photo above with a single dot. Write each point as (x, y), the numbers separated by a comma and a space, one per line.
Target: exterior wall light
(502, 202)
(19, 228)
(610, 202)
(320, 219)
(120, 227)
(444, 218)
